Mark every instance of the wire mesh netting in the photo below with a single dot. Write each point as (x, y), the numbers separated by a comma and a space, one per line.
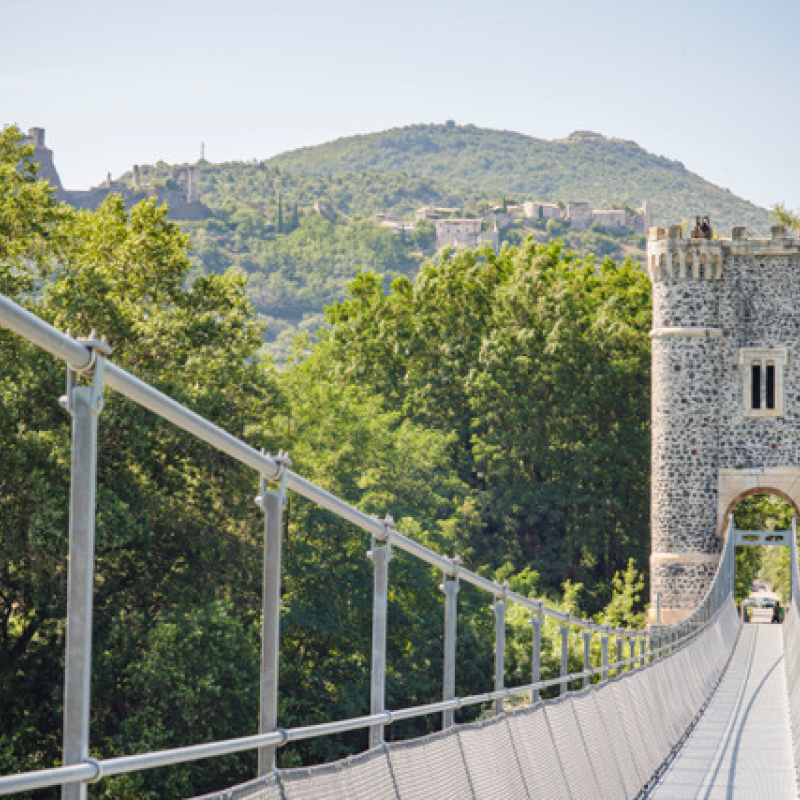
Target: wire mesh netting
(607, 740)
(791, 643)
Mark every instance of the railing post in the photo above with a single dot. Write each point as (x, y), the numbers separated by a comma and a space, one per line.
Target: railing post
(271, 503)
(537, 619)
(563, 687)
(499, 648)
(587, 655)
(793, 597)
(84, 403)
(642, 650)
(380, 556)
(620, 654)
(632, 654)
(604, 649)
(450, 588)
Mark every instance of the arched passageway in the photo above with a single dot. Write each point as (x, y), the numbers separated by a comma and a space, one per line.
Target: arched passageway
(762, 568)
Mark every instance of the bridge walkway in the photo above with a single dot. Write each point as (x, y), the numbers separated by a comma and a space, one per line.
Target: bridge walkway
(742, 745)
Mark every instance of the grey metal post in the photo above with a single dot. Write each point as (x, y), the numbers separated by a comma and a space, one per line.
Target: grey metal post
(271, 503)
(587, 655)
(499, 650)
(84, 404)
(620, 654)
(604, 649)
(564, 655)
(537, 619)
(632, 654)
(642, 649)
(792, 558)
(450, 588)
(380, 556)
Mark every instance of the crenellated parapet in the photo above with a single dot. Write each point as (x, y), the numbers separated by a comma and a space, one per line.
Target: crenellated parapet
(673, 257)
(670, 257)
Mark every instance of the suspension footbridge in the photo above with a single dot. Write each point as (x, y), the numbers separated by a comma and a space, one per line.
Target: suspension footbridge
(704, 707)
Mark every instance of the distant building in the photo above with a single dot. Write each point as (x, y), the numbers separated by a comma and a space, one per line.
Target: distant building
(400, 227)
(611, 218)
(325, 209)
(44, 158)
(426, 212)
(579, 215)
(381, 218)
(458, 233)
(541, 210)
(181, 196)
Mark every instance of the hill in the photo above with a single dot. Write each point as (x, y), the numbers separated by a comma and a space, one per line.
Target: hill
(586, 166)
(302, 223)
(299, 237)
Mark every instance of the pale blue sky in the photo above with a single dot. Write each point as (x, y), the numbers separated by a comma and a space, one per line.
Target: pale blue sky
(712, 83)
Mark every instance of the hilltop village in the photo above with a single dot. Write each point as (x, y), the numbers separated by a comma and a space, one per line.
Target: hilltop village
(454, 227)
(453, 230)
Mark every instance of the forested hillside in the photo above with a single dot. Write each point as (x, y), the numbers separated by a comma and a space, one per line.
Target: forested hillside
(301, 224)
(593, 168)
(299, 238)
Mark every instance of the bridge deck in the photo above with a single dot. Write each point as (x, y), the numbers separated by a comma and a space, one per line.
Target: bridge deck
(742, 745)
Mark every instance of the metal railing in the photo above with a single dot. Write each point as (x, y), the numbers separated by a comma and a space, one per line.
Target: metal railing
(791, 642)
(89, 358)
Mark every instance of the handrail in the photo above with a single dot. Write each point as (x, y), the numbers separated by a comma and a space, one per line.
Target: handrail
(791, 640)
(94, 769)
(81, 357)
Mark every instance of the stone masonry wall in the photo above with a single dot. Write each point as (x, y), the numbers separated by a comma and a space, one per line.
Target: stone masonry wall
(714, 301)
(685, 434)
(760, 308)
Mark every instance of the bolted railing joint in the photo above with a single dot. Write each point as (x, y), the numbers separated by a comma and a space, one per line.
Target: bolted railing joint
(98, 349)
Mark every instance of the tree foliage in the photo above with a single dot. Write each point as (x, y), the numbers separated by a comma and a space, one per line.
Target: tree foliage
(535, 361)
(399, 408)
(762, 512)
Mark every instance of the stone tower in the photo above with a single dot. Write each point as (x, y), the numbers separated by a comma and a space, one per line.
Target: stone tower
(726, 395)
(44, 157)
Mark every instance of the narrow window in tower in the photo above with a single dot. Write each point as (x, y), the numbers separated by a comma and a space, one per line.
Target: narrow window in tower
(763, 373)
(756, 386)
(770, 385)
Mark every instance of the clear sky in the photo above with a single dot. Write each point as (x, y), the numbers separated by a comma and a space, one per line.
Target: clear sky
(712, 83)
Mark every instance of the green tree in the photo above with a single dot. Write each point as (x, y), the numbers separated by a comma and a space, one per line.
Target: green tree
(424, 235)
(760, 513)
(625, 609)
(175, 520)
(783, 216)
(535, 360)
